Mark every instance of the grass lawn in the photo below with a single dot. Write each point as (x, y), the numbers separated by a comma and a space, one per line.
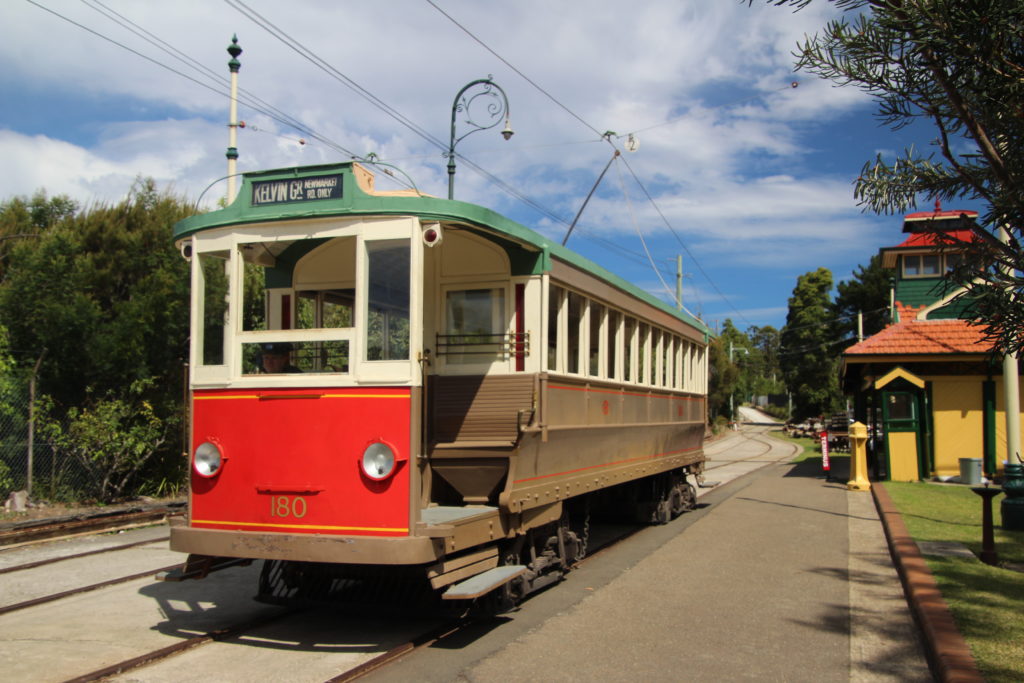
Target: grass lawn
(987, 602)
(809, 446)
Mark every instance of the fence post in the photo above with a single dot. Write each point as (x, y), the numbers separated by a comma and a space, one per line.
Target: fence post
(32, 423)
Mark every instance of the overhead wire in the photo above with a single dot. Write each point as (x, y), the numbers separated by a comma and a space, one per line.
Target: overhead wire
(607, 136)
(276, 114)
(253, 102)
(636, 226)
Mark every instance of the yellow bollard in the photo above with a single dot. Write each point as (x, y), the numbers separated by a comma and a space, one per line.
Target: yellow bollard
(858, 458)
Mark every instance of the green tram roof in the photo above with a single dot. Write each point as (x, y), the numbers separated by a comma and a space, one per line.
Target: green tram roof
(265, 197)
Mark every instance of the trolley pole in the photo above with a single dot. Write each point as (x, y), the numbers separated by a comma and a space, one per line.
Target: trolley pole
(232, 154)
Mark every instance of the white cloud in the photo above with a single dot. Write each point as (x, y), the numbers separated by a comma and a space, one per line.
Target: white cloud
(727, 158)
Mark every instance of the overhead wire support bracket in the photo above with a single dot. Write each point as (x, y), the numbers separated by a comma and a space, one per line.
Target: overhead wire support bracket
(589, 195)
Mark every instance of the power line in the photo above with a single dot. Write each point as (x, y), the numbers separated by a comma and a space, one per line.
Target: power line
(521, 74)
(607, 136)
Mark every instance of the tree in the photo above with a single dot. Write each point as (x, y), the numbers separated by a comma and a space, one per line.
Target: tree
(960, 67)
(807, 348)
(721, 377)
(764, 360)
(106, 294)
(866, 293)
(22, 218)
(100, 298)
(111, 438)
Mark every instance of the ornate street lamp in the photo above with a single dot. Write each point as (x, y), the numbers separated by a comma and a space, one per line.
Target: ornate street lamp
(489, 101)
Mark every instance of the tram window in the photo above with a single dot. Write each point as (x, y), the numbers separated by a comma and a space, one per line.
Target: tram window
(254, 297)
(303, 357)
(596, 313)
(324, 309)
(214, 282)
(554, 303)
(573, 341)
(613, 341)
(475, 325)
(627, 349)
(644, 355)
(657, 359)
(387, 333)
(668, 355)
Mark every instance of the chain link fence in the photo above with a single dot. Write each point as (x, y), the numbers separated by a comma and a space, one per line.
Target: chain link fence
(28, 460)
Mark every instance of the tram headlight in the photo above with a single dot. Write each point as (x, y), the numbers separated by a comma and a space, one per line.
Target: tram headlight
(208, 459)
(378, 461)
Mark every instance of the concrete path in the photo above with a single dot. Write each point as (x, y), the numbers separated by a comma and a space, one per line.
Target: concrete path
(789, 579)
(779, 576)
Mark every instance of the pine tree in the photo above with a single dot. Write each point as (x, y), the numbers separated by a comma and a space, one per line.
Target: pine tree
(957, 66)
(808, 355)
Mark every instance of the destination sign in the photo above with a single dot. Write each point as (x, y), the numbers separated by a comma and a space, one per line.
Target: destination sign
(309, 189)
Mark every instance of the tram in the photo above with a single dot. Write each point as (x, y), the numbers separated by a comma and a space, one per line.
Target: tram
(382, 381)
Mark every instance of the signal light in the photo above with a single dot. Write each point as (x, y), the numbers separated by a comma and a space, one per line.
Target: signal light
(432, 234)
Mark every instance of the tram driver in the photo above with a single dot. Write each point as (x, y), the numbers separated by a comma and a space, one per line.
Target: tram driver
(275, 358)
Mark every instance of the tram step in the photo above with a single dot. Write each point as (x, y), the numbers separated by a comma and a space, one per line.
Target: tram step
(481, 584)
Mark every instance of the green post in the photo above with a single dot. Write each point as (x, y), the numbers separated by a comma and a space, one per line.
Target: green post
(988, 398)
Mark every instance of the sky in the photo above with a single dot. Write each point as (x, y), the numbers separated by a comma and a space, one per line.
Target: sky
(751, 177)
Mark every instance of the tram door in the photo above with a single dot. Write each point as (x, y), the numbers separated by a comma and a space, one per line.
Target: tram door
(902, 426)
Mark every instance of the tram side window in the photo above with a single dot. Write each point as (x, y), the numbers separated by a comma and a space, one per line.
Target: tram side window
(596, 314)
(330, 308)
(613, 341)
(387, 334)
(644, 355)
(475, 328)
(627, 349)
(657, 360)
(214, 282)
(573, 342)
(554, 303)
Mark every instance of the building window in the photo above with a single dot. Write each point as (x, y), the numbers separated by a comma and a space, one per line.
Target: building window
(921, 265)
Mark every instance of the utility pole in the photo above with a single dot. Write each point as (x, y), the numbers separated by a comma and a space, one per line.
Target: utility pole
(232, 154)
(679, 282)
(731, 349)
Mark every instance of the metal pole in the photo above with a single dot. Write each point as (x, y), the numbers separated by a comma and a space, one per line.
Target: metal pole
(1011, 389)
(679, 282)
(589, 195)
(32, 424)
(493, 112)
(232, 154)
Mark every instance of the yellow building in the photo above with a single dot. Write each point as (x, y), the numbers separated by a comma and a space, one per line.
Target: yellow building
(927, 385)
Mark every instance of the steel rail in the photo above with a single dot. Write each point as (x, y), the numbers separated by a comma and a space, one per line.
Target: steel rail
(26, 532)
(82, 589)
(165, 652)
(98, 551)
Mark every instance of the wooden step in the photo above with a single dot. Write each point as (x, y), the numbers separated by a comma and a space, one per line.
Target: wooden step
(484, 583)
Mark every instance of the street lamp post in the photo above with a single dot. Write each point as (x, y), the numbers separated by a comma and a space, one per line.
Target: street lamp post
(489, 99)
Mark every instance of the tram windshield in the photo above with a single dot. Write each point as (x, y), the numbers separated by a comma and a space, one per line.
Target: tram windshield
(295, 306)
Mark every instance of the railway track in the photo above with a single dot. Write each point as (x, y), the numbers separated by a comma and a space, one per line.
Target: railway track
(31, 531)
(263, 631)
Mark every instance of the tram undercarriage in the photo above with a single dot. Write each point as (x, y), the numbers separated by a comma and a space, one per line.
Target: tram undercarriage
(497, 576)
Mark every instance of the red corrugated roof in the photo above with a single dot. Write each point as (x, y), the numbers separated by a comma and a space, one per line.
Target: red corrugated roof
(928, 239)
(915, 337)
